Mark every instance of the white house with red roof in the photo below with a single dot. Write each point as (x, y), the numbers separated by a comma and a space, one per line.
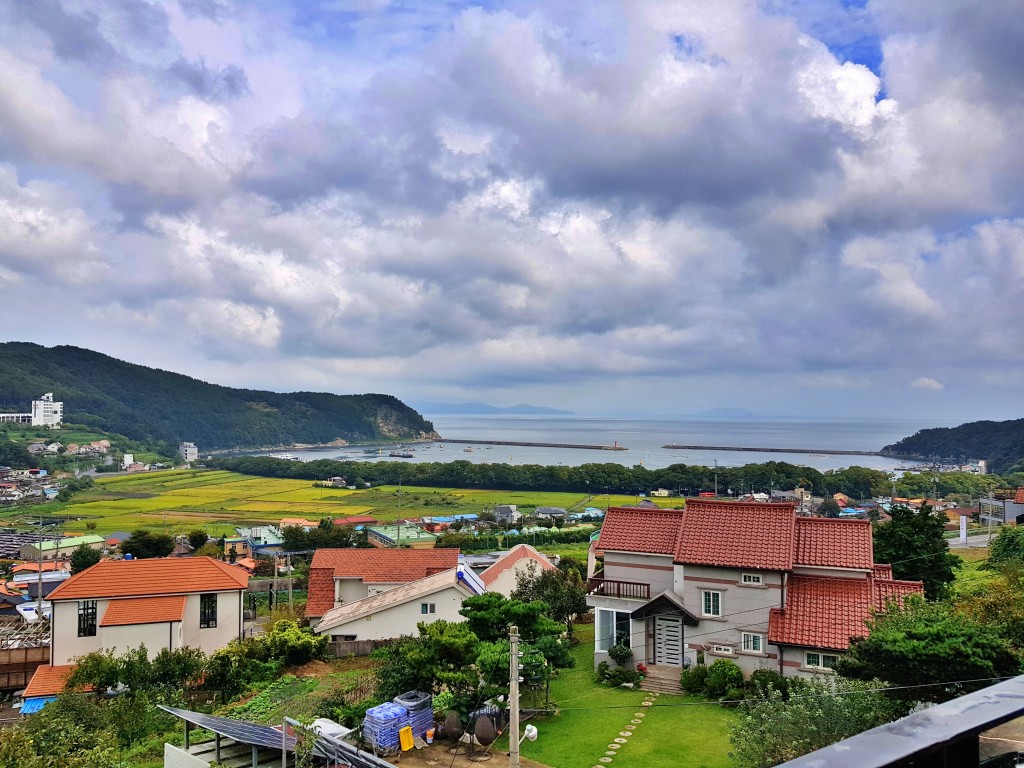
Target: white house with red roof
(503, 574)
(750, 582)
(161, 603)
(340, 576)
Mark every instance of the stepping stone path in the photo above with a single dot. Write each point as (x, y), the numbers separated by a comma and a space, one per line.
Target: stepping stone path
(625, 733)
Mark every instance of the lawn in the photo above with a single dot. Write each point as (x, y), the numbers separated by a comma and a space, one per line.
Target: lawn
(676, 731)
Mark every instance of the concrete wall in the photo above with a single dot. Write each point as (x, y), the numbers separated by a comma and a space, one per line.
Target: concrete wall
(155, 637)
(655, 570)
(505, 582)
(210, 639)
(65, 644)
(175, 757)
(402, 619)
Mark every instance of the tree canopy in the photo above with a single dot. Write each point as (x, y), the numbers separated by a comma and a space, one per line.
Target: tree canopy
(914, 544)
(143, 544)
(562, 590)
(84, 557)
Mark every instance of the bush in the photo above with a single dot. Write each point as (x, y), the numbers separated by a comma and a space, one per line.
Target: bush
(601, 671)
(722, 675)
(692, 680)
(443, 701)
(734, 696)
(620, 654)
(763, 679)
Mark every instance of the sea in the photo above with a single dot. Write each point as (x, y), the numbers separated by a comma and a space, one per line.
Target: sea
(644, 440)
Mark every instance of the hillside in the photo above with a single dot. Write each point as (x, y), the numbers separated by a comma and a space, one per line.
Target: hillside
(149, 404)
(1001, 443)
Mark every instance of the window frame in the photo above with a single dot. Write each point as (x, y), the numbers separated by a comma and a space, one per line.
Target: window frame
(715, 604)
(87, 622)
(722, 650)
(621, 629)
(745, 636)
(208, 613)
(820, 665)
(427, 609)
(750, 579)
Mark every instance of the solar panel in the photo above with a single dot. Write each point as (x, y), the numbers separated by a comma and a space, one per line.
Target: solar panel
(241, 731)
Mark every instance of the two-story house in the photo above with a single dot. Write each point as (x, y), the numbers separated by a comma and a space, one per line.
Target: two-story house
(340, 576)
(161, 603)
(751, 582)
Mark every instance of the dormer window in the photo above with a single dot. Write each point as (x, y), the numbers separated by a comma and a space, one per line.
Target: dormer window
(752, 580)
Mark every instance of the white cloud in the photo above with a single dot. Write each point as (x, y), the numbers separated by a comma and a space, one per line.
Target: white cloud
(926, 383)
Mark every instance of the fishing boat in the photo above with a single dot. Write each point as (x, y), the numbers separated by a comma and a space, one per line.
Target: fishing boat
(285, 456)
(400, 455)
(467, 450)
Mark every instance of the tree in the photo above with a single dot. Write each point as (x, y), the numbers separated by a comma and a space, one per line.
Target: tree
(491, 614)
(563, 591)
(913, 542)
(232, 554)
(83, 557)
(773, 729)
(143, 544)
(998, 603)
(935, 651)
(1007, 547)
(210, 549)
(829, 508)
(197, 538)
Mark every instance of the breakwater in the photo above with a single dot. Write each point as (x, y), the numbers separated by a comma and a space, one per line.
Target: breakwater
(812, 451)
(615, 447)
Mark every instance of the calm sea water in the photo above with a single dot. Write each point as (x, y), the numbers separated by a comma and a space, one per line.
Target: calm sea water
(645, 438)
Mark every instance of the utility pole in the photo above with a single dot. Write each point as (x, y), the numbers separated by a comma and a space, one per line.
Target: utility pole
(288, 571)
(513, 697)
(716, 478)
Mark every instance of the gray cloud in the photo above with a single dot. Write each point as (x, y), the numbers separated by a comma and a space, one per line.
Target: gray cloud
(224, 84)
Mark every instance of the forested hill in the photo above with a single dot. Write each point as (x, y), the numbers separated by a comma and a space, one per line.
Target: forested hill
(1001, 443)
(149, 404)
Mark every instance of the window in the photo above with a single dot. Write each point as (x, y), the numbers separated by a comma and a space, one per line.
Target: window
(207, 611)
(712, 603)
(752, 579)
(723, 649)
(612, 629)
(820, 660)
(87, 618)
(753, 643)
(427, 608)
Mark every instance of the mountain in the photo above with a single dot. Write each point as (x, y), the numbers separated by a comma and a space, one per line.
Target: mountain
(478, 409)
(1000, 443)
(149, 404)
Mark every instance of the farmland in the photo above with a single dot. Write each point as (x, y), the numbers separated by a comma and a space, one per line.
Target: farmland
(181, 500)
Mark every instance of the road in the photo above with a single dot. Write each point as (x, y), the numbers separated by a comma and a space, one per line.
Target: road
(972, 541)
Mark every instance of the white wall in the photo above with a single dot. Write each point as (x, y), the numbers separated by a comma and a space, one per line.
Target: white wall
(402, 619)
(212, 639)
(655, 570)
(505, 583)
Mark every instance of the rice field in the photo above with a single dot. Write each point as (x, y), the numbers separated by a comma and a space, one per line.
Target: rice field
(181, 500)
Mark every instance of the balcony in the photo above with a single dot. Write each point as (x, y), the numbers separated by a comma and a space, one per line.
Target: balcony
(629, 590)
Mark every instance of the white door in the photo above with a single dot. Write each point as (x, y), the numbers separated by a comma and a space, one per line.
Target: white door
(668, 640)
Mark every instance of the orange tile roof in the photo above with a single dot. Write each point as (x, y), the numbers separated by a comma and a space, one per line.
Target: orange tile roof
(738, 535)
(827, 612)
(356, 520)
(1019, 498)
(508, 560)
(379, 566)
(156, 576)
(59, 565)
(882, 571)
(48, 681)
(144, 610)
(834, 543)
(629, 529)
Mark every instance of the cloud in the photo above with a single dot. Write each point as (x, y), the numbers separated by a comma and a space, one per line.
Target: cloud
(927, 384)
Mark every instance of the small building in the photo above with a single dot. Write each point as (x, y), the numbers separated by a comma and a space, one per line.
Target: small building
(507, 513)
(550, 513)
(356, 520)
(36, 448)
(189, 452)
(44, 687)
(298, 522)
(340, 576)
(127, 460)
(337, 482)
(47, 412)
(1002, 511)
(503, 574)
(161, 603)
(60, 549)
(400, 535)
(660, 492)
(397, 612)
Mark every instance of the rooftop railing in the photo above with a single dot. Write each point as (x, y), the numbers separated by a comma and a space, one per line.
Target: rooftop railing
(630, 590)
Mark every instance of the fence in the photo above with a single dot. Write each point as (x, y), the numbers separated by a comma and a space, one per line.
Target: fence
(17, 665)
(267, 585)
(342, 648)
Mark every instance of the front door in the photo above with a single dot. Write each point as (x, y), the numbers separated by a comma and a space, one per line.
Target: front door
(668, 640)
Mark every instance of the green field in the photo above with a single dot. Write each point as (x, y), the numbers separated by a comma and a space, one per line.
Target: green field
(181, 500)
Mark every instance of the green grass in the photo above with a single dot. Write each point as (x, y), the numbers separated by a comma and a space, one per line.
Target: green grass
(677, 731)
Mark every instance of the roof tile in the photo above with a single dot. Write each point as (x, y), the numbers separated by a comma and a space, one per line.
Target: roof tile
(739, 535)
(509, 560)
(144, 610)
(48, 681)
(655, 531)
(831, 543)
(1019, 498)
(156, 576)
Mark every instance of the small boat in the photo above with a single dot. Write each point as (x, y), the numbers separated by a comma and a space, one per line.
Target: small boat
(400, 455)
(467, 450)
(285, 456)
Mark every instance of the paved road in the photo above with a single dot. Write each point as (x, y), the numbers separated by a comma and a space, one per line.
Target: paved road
(972, 541)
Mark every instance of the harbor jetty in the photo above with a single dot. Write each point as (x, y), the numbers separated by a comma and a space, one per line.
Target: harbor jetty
(819, 451)
(615, 447)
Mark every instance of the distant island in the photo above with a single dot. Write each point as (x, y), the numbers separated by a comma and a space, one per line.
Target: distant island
(147, 404)
(484, 409)
(1000, 443)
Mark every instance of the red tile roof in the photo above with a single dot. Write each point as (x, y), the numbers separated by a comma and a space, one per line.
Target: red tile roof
(356, 520)
(508, 560)
(827, 612)
(1019, 498)
(48, 681)
(60, 565)
(654, 531)
(883, 571)
(379, 566)
(834, 543)
(738, 535)
(144, 610)
(156, 576)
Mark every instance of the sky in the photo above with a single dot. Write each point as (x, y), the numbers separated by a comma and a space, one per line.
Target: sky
(804, 207)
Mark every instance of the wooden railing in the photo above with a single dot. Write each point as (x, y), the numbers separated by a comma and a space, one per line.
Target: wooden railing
(631, 590)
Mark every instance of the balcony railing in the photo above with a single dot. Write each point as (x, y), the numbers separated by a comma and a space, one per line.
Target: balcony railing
(630, 590)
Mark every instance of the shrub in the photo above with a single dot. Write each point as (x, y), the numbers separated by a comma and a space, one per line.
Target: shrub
(734, 696)
(722, 675)
(763, 679)
(443, 701)
(620, 654)
(601, 672)
(619, 675)
(692, 680)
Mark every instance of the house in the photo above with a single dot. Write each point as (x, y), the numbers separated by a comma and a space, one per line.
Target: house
(397, 611)
(338, 482)
(298, 522)
(160, 603)
(117, 538)
(550, 513)
(400, 535)
(660, 492)
(356, 520)
(501, 576)
(340, 576)
(54, 447)
(46, 683)
(750, 582)
(1003, 511)
(507, 513)
(60, 549)
(36, 448)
